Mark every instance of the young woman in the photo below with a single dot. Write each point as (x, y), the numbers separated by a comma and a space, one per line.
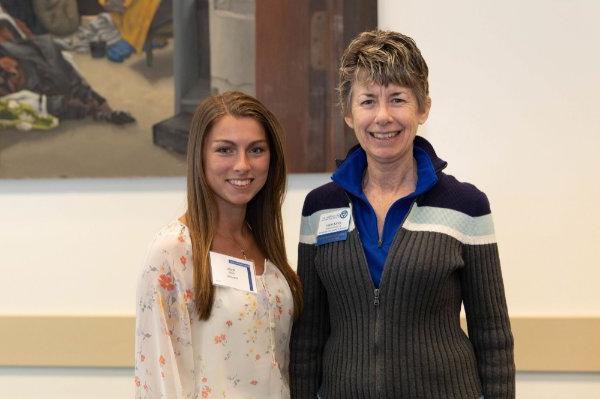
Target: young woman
(208, 323)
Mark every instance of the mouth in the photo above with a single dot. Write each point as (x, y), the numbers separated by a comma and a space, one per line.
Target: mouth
(384, 135)
(240, 183)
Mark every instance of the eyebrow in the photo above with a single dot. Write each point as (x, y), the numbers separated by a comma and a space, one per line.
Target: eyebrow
(369, 94)
(232, 143)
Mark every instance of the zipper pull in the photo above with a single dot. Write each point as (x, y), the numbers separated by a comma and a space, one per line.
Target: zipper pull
(379, 243)
(376, 301)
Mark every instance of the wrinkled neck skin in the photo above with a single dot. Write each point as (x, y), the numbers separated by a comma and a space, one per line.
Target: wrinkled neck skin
(397, 176)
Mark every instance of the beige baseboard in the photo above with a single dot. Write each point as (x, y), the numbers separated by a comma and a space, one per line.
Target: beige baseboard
(557, 343)
(67, 341)
(541, 343)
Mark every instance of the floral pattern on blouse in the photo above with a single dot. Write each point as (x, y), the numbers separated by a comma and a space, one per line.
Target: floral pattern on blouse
(241, 351)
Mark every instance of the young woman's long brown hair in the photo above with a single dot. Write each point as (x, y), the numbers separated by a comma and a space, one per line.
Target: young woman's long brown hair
(263, 212)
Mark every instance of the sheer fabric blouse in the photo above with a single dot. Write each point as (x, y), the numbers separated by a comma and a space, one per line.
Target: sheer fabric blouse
(241, 351)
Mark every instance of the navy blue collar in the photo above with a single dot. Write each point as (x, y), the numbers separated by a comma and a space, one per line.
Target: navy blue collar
(350, 172)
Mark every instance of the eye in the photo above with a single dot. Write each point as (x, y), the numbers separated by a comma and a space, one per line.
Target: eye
(258, 150)
(367, 102)
(398, 100)
(224, 150)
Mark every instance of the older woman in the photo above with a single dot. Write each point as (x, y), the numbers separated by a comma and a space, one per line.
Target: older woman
(391, 249)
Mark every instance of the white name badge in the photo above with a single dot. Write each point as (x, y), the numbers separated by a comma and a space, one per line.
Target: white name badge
(228, 271)
(333, 226)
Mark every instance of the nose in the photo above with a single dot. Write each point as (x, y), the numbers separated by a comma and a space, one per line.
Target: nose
(383, 116)
(242, 163)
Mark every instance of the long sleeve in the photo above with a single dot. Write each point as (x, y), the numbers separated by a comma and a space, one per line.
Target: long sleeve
(487, 317)
(311, 330)
(164, 366)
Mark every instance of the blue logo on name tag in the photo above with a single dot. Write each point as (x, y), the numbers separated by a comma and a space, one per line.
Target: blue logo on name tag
(332, 237)
(247, 266)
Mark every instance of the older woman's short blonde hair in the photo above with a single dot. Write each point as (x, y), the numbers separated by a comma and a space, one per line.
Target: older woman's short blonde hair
(383, 57)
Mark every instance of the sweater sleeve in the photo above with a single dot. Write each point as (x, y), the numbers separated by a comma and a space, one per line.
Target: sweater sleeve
(487, 317)
(164, 365)
(311, 330)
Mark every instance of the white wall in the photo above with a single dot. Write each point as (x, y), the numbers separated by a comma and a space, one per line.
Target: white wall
(62, 383)
(515, 91)
(75, 246)
(77, 243)
(18, 383)
(514, 88)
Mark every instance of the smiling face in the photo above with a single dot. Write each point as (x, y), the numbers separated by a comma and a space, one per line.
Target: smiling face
(236, 160)
(385, 120)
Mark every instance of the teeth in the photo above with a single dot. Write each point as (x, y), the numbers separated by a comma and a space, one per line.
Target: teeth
(385, 135)
(240, 182)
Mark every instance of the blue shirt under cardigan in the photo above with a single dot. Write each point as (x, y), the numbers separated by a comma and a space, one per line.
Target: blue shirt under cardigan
(349, 176)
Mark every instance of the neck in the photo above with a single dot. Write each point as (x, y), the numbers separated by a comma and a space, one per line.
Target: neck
(393, 177)
(231, 222)
(232, 234)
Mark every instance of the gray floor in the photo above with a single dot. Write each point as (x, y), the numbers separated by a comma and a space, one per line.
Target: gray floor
(87, 148)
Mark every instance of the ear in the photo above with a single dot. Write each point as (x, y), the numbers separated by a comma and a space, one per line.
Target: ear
(349, 120)
(425, 113)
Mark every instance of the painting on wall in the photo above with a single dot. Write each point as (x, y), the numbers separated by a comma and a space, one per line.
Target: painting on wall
(106, 88)
(82, 87)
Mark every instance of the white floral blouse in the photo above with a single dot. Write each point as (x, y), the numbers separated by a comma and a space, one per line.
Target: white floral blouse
(242, 351)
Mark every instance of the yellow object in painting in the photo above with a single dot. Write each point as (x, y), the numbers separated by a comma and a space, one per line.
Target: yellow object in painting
(135, 21)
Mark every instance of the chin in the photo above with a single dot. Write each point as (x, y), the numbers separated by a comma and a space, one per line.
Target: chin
(240, 201)
(384, 154)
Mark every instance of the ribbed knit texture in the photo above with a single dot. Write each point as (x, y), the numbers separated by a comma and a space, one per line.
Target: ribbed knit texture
(409, 344)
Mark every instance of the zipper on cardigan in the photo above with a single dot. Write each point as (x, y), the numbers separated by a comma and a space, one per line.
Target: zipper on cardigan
(377, 364)
(377, 347)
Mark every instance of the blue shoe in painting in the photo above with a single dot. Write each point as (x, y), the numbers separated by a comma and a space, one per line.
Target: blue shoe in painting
(119, 51)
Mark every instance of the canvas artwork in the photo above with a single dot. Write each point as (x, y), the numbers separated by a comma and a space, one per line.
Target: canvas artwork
(106, 88)
(81, 88)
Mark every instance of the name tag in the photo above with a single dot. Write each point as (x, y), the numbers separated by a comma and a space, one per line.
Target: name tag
(333, 226)
(228, 271)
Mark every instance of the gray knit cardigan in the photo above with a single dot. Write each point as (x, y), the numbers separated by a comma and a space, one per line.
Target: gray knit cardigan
(404, 340)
